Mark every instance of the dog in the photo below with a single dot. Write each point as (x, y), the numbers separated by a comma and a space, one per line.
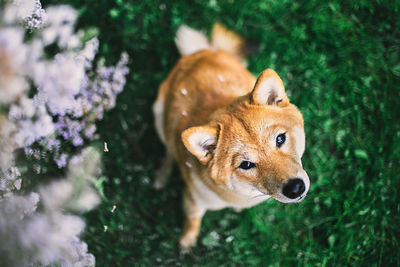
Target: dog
(236, 139)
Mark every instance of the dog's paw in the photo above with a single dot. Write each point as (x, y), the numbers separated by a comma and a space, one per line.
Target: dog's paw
(184, 251)
(161, 179)
(186, 242)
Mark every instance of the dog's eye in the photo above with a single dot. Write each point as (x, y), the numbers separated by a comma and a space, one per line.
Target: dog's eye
(280, 140)
(245, 165)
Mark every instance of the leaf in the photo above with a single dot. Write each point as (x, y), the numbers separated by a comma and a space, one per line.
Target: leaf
(363, 212)
(360, 154)
(331, 240)
(114, 13)
(211, 240)
(396, 69)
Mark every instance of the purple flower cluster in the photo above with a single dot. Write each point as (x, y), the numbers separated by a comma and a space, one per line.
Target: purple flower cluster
(100, 94)
(70, 129)
(71, 95)
(37, 18)
(74, 95)
(75, 122)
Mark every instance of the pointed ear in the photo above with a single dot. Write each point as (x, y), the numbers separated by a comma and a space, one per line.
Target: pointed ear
(269, 90)
(201, 141)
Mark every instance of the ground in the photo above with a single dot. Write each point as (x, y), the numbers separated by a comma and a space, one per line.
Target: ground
(340, 63)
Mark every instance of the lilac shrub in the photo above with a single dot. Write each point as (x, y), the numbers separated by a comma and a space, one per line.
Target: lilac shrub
(33, 236)
(68, 102)
(49, 105)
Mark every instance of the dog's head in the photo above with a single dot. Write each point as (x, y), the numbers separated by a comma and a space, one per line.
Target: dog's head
(255, 145)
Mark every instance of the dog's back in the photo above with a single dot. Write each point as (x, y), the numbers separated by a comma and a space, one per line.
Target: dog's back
(209, 75)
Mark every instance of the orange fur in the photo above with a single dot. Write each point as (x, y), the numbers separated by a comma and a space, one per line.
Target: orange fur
(218, 115)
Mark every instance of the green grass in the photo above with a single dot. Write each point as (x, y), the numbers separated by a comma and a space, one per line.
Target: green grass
(340, 63)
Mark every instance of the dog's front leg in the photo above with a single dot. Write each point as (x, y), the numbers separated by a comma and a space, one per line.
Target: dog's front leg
(193, 214)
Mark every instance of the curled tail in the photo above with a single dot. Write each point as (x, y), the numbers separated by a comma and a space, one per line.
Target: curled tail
(189, 41)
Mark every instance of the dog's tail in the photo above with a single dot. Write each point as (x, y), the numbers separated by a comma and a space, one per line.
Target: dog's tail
(189, 41)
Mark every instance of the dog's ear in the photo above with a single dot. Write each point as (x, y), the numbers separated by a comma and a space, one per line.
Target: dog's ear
(201, 141)
(269, 90)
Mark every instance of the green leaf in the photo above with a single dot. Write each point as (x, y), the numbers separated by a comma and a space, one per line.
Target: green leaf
(363, 212)
(114, 13)
(331, 240)
(211, 240)
(360, 154)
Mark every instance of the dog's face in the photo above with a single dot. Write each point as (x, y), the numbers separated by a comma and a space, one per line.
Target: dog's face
(255, 145)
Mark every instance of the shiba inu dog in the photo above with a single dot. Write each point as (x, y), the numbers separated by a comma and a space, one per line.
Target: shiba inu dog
(237, 140)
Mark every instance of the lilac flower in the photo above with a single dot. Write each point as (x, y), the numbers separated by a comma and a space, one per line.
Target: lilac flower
(50, 236)
(89, 52)
(89, 131)
(18, 10)
(32, 122)
(66, 94)
(10, 178)
(61, 20)
(70, 130)
(51, 144)
(61, 161)
(36, 154)
(100, 94)
(60, 81)
(70, 98)
(77, 192)
(3, 184)
(37, 168)
(7, 144)
(36, 18)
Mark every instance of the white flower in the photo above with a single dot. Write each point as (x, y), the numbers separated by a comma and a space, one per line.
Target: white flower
(66, 85)
(60, 81)
(90, 50)
(24, 110)
(19, 10)
(33, 58)
(75, 193)
(13, 53)
(50, 236)
(21, 206)
(60, 20)
(7, 145)
(56, 194)
(32, 122)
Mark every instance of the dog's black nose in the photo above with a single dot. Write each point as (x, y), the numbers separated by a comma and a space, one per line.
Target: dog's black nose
(294, 188)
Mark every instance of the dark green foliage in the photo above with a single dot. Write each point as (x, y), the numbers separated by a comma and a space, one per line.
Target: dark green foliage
(340, 63)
